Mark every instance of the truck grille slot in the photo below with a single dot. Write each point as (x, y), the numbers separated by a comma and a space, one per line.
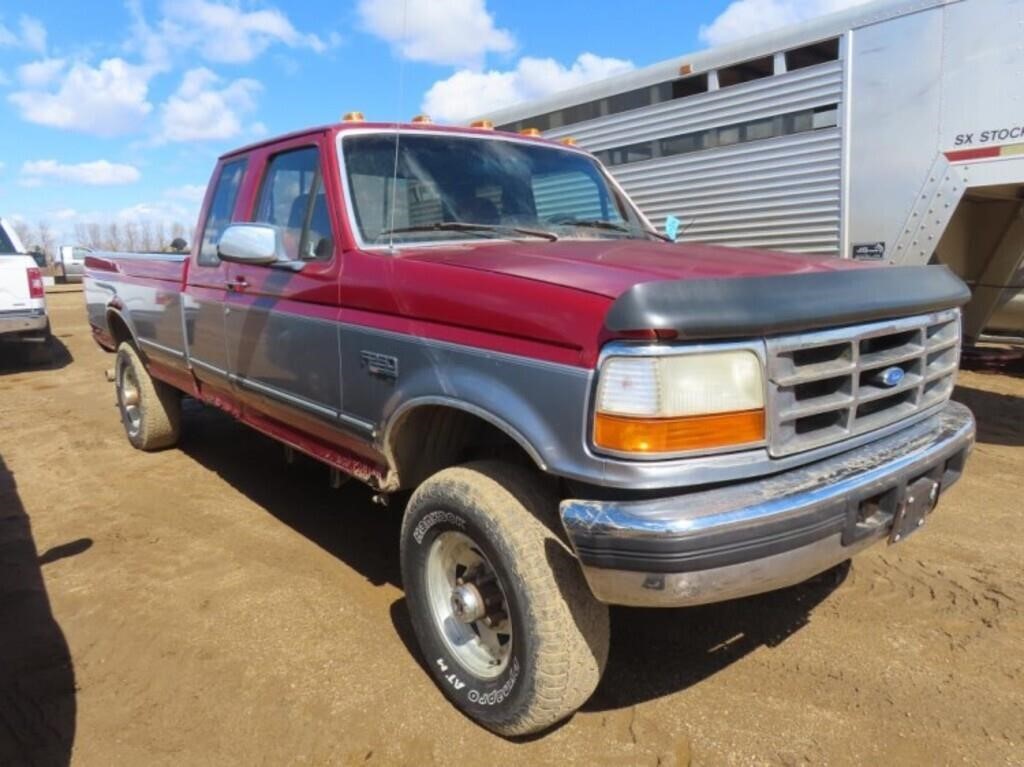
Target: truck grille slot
(830, 385)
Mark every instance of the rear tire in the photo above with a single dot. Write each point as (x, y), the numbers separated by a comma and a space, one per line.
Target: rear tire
(492, 515)
(150, 409)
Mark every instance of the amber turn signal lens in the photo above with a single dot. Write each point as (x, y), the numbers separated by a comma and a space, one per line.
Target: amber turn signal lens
(675, 435)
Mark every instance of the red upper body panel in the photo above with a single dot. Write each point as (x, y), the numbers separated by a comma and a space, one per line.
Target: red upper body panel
(542, 299)
(609, 267)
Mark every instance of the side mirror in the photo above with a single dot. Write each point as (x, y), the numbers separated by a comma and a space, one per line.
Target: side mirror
(249, 244)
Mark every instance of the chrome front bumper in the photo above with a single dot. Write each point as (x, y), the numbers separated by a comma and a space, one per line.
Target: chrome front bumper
(748, 538)
(22, 322)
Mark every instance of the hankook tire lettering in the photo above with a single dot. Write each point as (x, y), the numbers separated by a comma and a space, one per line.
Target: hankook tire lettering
(434, 518)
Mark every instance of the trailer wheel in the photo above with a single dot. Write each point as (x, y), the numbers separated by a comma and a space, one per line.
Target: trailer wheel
(507, 624)
(150, 409)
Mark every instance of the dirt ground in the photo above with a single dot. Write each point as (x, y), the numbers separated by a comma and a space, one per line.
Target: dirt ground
(209, 605)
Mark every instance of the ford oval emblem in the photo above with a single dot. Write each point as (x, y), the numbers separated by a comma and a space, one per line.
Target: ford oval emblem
(890, 376)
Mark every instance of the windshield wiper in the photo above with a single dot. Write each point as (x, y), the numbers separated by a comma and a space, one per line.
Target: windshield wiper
(597, 223)
(612, 226)
(466, 226)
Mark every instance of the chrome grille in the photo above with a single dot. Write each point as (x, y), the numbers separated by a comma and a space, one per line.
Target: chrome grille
(824, 386)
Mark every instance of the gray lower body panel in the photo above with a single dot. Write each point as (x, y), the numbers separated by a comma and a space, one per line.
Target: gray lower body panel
(748, 538)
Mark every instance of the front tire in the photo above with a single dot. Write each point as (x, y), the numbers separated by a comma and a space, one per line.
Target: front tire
(506, 622)
(150, 409)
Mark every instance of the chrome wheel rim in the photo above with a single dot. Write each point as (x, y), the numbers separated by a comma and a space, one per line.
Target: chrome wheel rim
(128, 395)
(468, 604)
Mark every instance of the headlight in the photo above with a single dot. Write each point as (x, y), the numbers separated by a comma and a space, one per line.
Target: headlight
(679, 403)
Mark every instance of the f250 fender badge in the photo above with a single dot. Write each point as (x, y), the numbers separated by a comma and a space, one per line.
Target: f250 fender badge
(379, 365)
(889, 377)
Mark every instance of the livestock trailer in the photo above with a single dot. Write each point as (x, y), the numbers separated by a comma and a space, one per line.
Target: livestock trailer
(891, 131)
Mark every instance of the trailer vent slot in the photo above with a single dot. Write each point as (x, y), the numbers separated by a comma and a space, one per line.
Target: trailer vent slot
(830, 385)
(812, 55)
(737, 74)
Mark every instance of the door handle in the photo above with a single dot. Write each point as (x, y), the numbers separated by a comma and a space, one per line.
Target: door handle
(238, 284)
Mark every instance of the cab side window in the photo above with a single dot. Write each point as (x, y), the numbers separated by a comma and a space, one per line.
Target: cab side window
(292, 198)
(221, 207)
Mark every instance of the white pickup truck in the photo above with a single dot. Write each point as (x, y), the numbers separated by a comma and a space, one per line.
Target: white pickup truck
(70, 263)
(22, 296)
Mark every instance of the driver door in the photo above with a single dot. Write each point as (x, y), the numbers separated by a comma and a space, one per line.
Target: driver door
(282, 319)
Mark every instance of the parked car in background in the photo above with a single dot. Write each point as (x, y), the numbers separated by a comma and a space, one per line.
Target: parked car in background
(70, 263)
(23, 315)
(583, 413)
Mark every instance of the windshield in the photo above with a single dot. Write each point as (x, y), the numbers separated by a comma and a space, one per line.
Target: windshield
(458, 187)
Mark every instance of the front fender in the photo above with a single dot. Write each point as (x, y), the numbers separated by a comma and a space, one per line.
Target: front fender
(538, 404)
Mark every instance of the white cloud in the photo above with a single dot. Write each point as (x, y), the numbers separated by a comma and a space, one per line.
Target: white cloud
(199, 110)
(743, 18)
(108, 100)
(31, 35)
(96, 173)
(456, 32)
(223, 32)
(467, 93)
(39, 74)
(156, 212)
(190, 193)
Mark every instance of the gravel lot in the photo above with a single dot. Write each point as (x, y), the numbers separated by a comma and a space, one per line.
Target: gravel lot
(210, 605)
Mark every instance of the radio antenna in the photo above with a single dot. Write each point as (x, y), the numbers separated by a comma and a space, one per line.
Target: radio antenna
(398, 135)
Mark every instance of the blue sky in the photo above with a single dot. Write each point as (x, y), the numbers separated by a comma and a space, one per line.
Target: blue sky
(117, 111)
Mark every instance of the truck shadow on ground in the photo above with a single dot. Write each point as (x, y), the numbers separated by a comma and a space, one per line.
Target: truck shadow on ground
(22, 358)
(653, 652)
(37, 679)
(344, 522)
(658, 652)
(1000, 417)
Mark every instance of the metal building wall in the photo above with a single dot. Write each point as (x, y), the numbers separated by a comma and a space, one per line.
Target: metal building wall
(781, 193)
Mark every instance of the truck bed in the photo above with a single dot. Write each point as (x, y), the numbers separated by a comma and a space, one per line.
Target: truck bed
(141, 290)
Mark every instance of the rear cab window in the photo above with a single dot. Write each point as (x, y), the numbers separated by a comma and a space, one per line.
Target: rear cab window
(229, 181)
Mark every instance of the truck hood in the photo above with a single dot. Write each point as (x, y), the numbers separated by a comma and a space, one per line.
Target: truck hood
(610, 267)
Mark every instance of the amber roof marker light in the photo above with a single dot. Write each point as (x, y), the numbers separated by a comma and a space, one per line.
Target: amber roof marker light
(353, 117)
(484, 124)
(530, 132)
(567, 141)
(422, 119)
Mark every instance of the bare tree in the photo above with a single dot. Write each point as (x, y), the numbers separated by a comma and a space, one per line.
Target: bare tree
(95, 235)
(160, 240)
(112, 239)
(25, 234)
(45, 240)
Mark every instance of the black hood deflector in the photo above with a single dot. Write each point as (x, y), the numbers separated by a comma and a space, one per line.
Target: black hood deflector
(789, 303)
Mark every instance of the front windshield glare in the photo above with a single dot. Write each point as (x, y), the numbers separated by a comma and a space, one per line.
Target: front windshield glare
(457, 187)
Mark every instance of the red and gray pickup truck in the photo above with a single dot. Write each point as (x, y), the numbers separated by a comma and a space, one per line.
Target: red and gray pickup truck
(584, 413)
